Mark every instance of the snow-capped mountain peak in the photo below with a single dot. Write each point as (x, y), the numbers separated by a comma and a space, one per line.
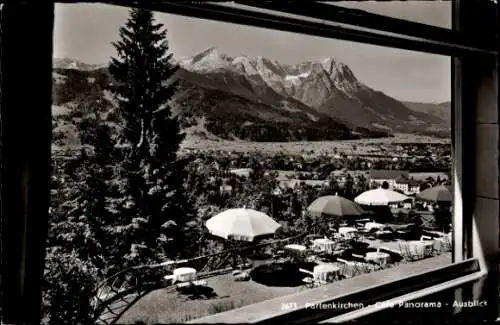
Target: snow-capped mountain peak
(67, 63)
(326, 75)
(207, 60)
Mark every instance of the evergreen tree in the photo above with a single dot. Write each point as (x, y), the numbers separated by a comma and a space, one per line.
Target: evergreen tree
(153, 176)
(96, 191)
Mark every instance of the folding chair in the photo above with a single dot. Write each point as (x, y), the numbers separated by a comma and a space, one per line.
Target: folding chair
(410, 255)
(343, 272)
(357, 268)
(446, 244)
(367, 268)
(308, 283)
(428, 251)
(416, 253)
(404, 253)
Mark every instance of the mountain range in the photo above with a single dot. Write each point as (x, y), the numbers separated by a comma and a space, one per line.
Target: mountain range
(442, 110)
(255, 98)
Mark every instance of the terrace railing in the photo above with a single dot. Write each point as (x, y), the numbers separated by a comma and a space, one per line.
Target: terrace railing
(117, 293)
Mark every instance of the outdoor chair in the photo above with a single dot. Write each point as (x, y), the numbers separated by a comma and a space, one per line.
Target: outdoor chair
(184, 288)
(406, 253)
(243, 276)
(308, 282)
(312, 258)
(344, 271)
(446, 244)
(350, 269)
(418, 255)
(374, 266)
(429, 252)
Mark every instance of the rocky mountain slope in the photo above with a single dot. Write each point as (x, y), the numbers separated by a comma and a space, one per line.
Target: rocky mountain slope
(441, 110)
(328, 86)
(253, 98)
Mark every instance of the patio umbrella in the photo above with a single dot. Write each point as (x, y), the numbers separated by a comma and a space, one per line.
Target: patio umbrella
(440, 193)
(241, 224)
(334, 205)
(379, 197)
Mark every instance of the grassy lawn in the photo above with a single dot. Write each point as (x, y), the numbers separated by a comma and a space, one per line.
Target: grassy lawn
(164, 306)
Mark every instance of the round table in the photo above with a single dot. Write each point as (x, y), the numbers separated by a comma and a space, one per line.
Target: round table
(325, 272)
(378, 257)
(324, 244)
(184, 274)
(296, 248)
(420, 247)
(373, 225)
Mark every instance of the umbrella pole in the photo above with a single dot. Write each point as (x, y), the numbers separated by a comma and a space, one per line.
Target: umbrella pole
(234, 259)
(234, 251)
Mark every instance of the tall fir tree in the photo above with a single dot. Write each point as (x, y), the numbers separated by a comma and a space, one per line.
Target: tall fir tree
(143, 83)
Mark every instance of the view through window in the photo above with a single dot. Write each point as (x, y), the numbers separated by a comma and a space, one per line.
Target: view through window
(213, 166)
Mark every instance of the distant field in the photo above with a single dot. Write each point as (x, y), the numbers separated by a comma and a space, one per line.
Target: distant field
(363, 146)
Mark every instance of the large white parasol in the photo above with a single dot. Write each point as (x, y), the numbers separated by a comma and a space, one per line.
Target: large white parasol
(241, 224)
(379, 197)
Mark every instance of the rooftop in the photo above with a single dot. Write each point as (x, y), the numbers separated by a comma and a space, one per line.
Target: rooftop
(388, 174)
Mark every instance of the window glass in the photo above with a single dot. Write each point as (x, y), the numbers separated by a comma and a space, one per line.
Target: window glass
(434, 13)
(176, 147)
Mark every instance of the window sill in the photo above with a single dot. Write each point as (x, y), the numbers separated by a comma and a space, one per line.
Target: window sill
(357, 314)
(365, 289)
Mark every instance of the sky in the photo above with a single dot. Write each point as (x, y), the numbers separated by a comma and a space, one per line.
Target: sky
(85, 32)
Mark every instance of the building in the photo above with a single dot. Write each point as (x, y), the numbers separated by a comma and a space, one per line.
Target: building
(390, 176)
(406, 185)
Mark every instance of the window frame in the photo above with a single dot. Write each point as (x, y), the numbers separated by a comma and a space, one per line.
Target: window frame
(464, 236)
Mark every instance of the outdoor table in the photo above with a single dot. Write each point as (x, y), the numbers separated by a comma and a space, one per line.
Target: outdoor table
(325, 272)
(344, 231)
(377, 257)
(296, 248)
(324, 244)
(420, 247)
(372, 225)
(185, 274)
